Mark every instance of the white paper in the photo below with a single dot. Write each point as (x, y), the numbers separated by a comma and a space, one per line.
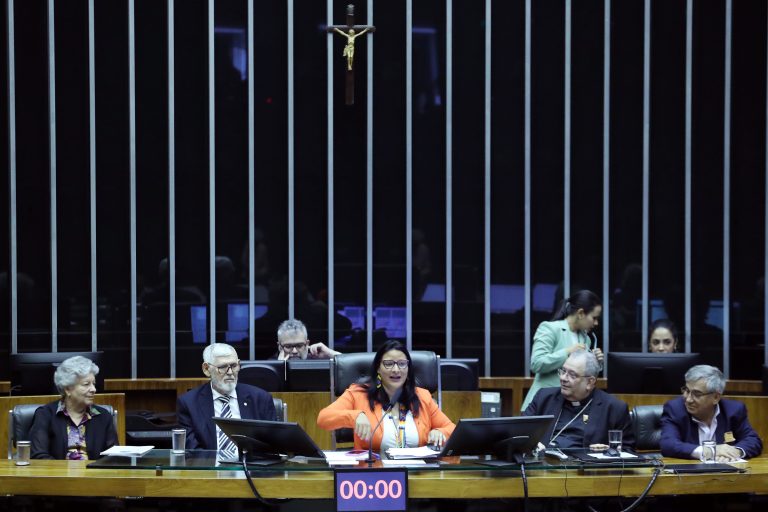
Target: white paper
(422, 452)
(127, 451)
(624, 455)
(403, 462)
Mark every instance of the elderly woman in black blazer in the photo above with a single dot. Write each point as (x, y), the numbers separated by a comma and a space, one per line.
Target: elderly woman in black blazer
(73, 427)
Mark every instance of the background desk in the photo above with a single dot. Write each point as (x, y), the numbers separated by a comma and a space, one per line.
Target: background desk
(72, 478)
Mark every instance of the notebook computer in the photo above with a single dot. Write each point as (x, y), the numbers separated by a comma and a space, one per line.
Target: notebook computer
(682, 469)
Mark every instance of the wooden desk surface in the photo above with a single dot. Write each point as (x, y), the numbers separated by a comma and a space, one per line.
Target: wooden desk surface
(72, 478)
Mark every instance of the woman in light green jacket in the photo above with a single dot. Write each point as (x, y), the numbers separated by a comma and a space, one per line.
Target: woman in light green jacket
(569, 330)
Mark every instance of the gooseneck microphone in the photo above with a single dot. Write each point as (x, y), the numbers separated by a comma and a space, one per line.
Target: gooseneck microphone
(390, 405)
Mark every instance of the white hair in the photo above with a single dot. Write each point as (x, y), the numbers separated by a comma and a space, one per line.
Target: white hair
(215, 350)
(72, 370)
(711, 374)
(591, 366)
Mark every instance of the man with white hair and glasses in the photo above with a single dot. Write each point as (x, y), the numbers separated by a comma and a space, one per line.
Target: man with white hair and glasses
(223, 397)
(584, 414)
(702, 414)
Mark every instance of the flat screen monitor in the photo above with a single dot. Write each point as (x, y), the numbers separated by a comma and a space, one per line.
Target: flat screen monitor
(309, 375)
(507, 438)
(32, 372)
(459, 374)
(268, 374)
(260, 439)
(648, 373)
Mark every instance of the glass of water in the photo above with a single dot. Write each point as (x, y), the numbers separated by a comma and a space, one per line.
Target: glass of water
(614, 439)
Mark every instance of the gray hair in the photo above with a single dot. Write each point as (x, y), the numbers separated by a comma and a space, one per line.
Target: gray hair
(711, 374)
(215, 350)
(591, 366)
(291, 328)
(72, 370)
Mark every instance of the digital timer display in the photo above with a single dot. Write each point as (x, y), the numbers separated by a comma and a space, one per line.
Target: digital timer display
(371, 490)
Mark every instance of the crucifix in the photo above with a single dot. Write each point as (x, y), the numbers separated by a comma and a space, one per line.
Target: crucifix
(351, 32)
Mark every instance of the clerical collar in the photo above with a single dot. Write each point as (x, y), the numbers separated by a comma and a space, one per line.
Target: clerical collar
(575, 404)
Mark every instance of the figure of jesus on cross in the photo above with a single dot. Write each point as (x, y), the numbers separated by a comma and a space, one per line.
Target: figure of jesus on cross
(351, 32)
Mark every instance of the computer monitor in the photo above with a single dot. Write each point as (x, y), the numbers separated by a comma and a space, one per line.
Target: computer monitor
(32, 372)
(507, 438)
(260, 439)
(459, 374)
(308, 375)
(648, 373)
(268, 374)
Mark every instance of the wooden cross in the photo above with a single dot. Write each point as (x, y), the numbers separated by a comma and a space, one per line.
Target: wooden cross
(351, 32)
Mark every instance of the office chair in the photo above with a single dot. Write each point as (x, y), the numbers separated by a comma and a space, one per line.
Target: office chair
(347, 369)
(459, 374)
(646, 423)
(268, 375)
(20, 422)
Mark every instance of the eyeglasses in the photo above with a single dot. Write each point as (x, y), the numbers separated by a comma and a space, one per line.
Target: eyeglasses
(290, 347)
(223, 369)
(389, 364)
(696, 394)
(572, 375)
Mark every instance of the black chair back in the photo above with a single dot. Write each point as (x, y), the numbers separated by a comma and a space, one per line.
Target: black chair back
(646, 423)
(269, 375)
(459, 374)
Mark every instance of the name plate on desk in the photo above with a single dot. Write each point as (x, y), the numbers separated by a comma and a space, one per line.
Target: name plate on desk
(371, 490)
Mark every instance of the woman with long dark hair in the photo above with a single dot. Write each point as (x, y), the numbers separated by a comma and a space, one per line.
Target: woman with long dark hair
(568, 331)
(663, 337)
(414, 418)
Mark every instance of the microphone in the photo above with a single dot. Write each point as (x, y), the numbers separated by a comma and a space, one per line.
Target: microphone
(390, 405)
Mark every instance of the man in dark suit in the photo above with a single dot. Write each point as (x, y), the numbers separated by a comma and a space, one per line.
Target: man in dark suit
(584, 415)
(701, 414)
(222, 397)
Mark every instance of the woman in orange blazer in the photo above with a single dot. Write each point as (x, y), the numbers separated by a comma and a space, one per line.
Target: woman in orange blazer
(414, 419)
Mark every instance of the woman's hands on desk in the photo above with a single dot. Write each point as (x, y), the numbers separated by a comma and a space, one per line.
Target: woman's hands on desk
(436, 438)
(362, 426)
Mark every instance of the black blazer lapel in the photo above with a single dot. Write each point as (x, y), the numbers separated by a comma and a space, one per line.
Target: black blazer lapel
(246, 403)
(205, 406)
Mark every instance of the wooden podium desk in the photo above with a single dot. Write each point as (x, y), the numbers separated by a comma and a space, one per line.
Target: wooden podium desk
(72, 478)
(159, 395)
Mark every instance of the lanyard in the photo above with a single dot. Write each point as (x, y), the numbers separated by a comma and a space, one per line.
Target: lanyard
(551, 439)
(400, 426)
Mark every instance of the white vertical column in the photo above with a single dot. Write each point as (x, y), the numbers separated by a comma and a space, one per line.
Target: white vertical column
(172, 185)
(369, 188)
(92, 169)
(487, 161)
(688, 167)
(291, 165)
(211, 171)
(251, 192)
(330, 170)
(606, 176)
(448, 178)
(567, 156)
(52, 176)
(409, 173)
(646, 164)
(10, 20)
(132, 176)
(727, 191)
(527, 186)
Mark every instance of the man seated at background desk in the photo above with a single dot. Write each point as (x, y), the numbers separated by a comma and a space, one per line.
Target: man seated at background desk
(584, 415)
(701, 414)
(292, 343)
(223, 398)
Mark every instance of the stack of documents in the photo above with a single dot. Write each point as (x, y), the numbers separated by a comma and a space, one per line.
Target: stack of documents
(422, 452)
(345, 458)
(127, 451)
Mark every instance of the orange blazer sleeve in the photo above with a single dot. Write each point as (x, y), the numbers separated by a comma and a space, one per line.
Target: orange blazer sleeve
(431, 417)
